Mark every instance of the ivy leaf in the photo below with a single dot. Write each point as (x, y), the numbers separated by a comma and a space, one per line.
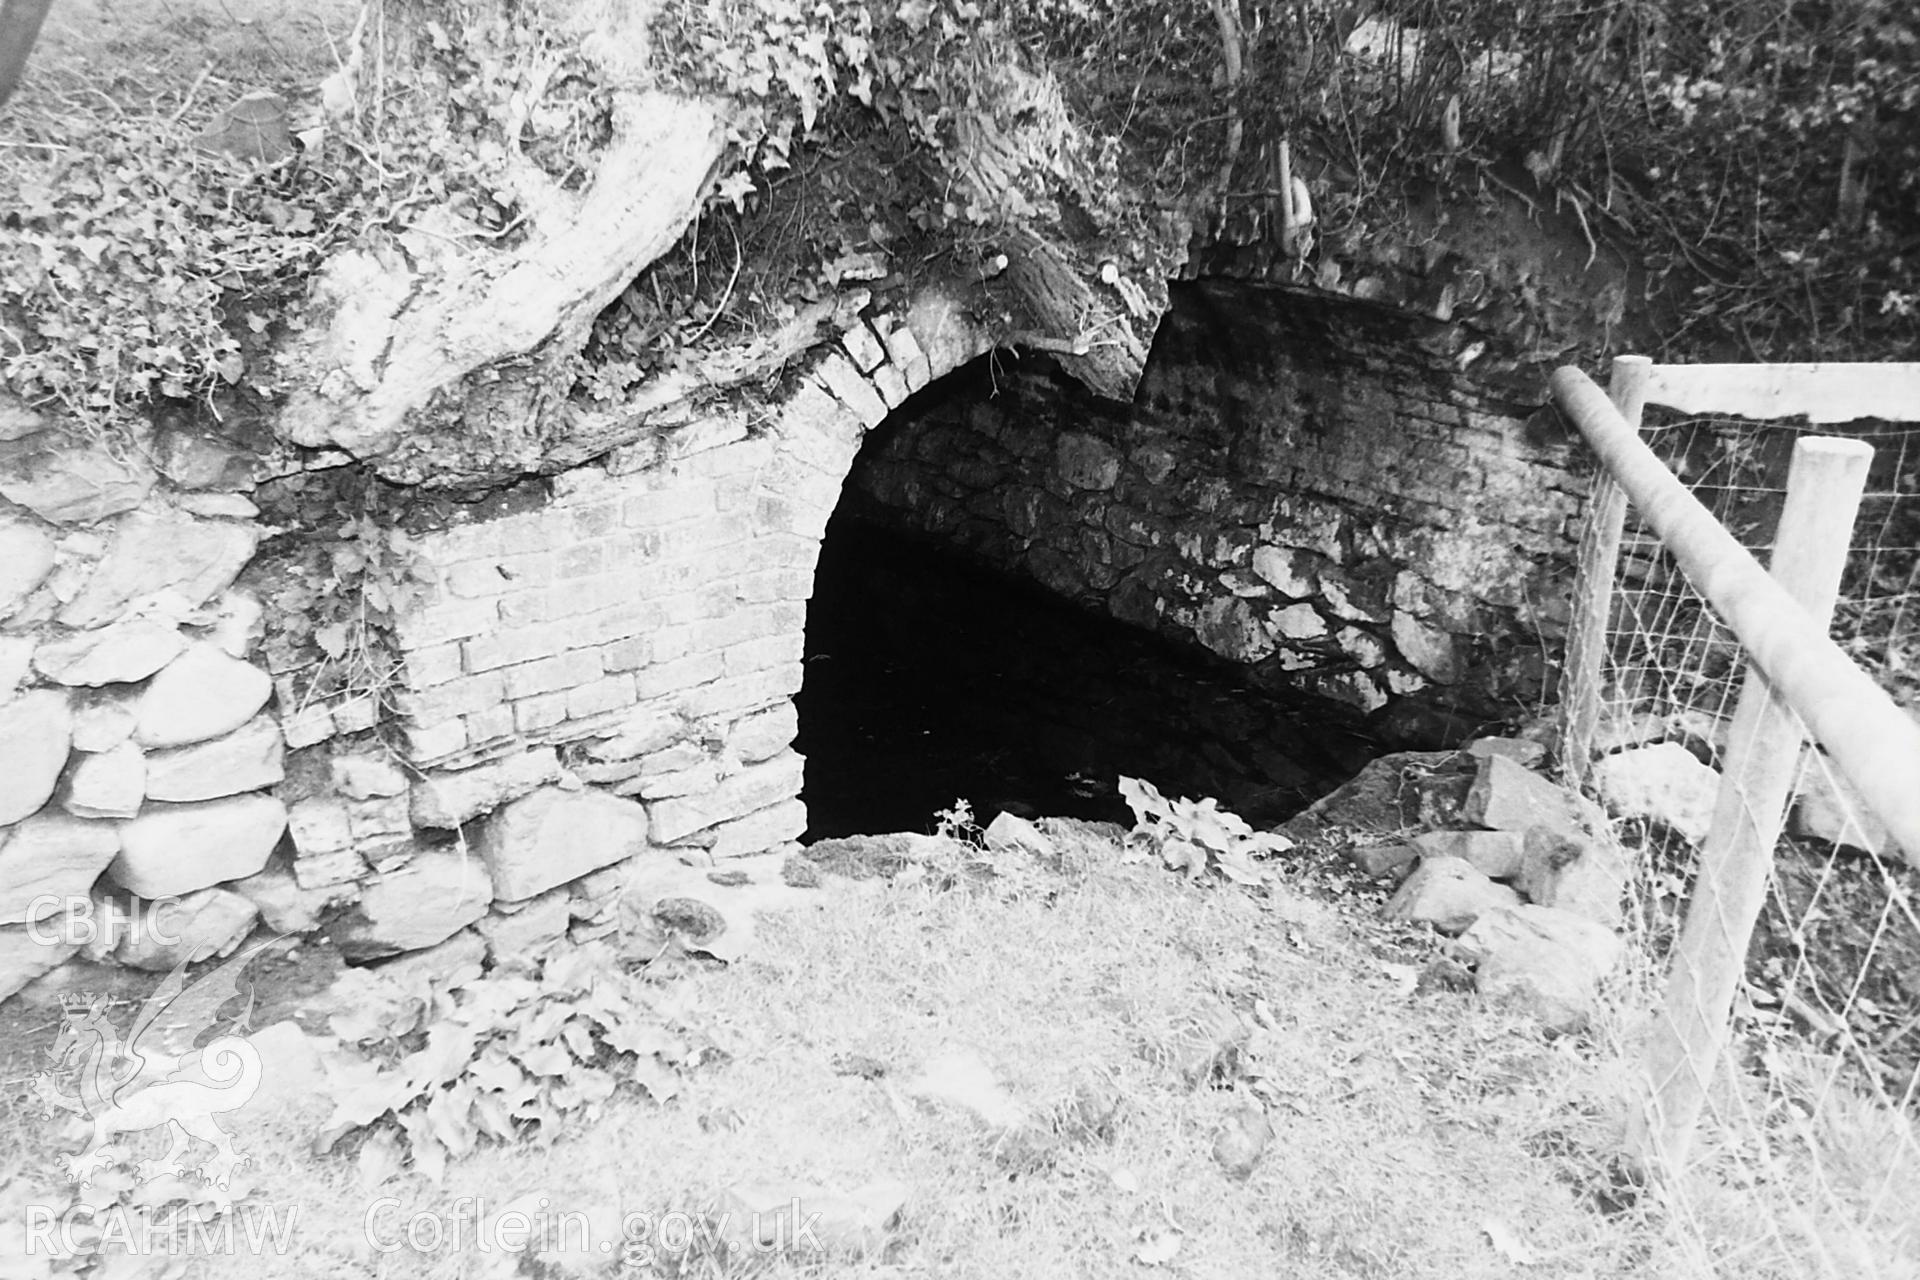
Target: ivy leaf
(546, 1060)
(735, 189)
(429, 1157)
(449, 1115)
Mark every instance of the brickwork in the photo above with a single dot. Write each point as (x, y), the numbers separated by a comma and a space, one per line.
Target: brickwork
(649, 620)
(1313, 487)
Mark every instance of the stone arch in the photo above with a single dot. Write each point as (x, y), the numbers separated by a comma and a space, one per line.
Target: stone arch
(643, 629)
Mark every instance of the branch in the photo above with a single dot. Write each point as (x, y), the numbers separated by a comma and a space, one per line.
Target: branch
(395, 337)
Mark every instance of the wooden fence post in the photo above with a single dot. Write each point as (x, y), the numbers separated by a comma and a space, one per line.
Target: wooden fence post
(1762, 757)
(1581, 673)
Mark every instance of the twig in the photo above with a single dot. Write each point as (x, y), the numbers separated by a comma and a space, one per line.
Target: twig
(726, 294)
(186, 104)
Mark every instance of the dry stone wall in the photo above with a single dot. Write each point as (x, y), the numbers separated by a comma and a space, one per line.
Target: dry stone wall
(138, 752)
(1313, 487)
(600, 681)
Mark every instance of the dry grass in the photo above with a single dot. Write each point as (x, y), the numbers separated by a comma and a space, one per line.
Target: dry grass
(1407, 1122)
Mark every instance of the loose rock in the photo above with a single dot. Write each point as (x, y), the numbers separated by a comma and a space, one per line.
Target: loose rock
(1664, 783)
(1492, 853)
(1506, 797)
(1449, 894)
(1546, 962)
(199, 695)
(1829, 809)
(248, 759)
(172, 849)
(1586, 877)
(36, 731)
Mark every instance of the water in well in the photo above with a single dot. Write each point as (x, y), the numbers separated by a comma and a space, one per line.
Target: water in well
(930, 679)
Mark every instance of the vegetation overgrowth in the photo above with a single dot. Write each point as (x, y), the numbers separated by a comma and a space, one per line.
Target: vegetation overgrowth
(1764, 162)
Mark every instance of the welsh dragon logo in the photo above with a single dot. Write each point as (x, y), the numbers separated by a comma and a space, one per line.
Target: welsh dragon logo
(143, 1079)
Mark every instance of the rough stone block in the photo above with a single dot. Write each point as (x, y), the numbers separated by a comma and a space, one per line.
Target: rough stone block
(664, 678)
(25, 955)
(1506, 797)
(764, 734)
(1664, 783)
(891, 382)
(201, 694)
(1828, 808)
(36, 732)
(75, 483)
(328, 870)
(1384, 861)
(566, 671)
(450, 799)
(434, 665)
(51, 856)
(284, 906)
(514, 937)
(118, 654)
(434, 896)
(199, 926)
(609, 693)
(1086, 462)
(1428, 649)
(838, 375)
(907, 356)
(1586, 877)
(553, 836)
(172, 849)
(508, 646)
(444, 620)
(250, 758)
(701, 776)
(760, 655)
(756, 787)
(863, 347)
(108, 784)
(1546, 962)
(530, 715)
(319, 824)
(378, 817)
(175, 556)
(759, 832)
(738, 693)
(645, 730)
(1522, 751)
(1448, 894)
(427, 743)
(1492, 853)
(625, 655)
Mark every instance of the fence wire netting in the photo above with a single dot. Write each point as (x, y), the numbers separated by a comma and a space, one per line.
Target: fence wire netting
(1816, 1108)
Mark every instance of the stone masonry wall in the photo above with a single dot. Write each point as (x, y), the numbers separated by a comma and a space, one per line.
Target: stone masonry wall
(642, 631)
(1310, 486)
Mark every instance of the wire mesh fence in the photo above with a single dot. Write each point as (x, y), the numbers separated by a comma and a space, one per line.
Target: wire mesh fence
(1815, 1110)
